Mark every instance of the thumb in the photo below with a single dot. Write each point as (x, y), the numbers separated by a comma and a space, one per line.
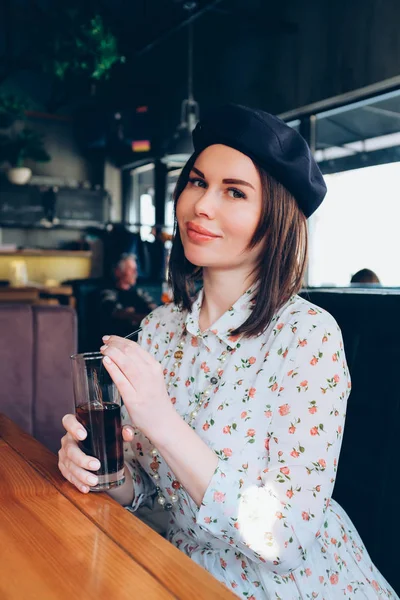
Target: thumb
(127, 433)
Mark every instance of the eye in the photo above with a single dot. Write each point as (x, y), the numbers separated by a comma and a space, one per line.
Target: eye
(197, 182)
(237, 194)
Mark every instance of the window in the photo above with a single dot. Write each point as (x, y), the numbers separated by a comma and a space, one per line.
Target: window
(357, 227)
(358, 150)
(173, 176)
(142, 211)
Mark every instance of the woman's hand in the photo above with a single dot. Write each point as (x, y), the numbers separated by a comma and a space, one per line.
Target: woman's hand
(140, 381)
(74, 464)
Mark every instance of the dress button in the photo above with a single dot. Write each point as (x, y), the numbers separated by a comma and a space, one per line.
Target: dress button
(214, 380)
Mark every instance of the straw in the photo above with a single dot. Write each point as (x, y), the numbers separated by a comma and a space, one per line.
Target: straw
(98, 400)
(128, 337)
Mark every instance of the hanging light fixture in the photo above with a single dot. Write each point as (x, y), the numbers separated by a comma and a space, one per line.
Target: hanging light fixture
(181, 147)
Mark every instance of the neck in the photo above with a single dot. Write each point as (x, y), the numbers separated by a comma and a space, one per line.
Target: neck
(122, 285)
(221, 290)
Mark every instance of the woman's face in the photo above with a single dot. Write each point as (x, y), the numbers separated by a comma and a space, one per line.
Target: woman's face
(219, 210)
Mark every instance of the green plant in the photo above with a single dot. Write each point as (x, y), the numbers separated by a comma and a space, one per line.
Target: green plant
(11, 109)
(25, 144)
(83, 47)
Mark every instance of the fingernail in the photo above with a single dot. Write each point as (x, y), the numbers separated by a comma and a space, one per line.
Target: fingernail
(103, 347)
(105, 338)
(81, 434)
(94, 464)
(107, 359)
(92, 479)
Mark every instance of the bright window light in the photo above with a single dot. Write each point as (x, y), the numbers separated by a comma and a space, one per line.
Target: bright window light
(357, 226)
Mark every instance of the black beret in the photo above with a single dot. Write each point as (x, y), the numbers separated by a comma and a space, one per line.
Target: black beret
(271, 144)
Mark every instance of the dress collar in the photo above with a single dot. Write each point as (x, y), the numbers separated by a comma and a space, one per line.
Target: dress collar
(235, 316)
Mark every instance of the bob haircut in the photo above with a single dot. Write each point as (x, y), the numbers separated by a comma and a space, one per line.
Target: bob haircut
(282, 234)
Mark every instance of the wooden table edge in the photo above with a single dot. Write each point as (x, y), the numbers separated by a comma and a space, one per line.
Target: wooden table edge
(45, 462)
(154, 586)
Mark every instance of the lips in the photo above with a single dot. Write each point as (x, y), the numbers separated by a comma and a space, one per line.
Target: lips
(201, 230)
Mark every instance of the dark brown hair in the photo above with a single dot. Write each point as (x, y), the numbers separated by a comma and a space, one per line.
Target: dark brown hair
(282, 232)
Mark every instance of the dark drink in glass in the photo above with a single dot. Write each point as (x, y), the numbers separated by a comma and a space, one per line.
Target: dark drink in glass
(98, 409)
(104, 436)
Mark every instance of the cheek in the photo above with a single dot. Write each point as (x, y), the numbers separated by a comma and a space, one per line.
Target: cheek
(241, 226)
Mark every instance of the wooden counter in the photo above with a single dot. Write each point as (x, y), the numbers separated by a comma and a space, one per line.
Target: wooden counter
(43, 265)
(58, 544)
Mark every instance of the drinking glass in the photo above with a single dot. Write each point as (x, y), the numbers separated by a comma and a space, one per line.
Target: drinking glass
(98, 409)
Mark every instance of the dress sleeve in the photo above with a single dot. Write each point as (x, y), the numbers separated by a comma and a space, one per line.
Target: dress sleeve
(144, 488)
(274, 520)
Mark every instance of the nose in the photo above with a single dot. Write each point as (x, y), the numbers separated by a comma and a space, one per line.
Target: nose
(205, 204)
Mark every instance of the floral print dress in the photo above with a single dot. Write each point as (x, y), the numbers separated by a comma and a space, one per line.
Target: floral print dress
(267, 526)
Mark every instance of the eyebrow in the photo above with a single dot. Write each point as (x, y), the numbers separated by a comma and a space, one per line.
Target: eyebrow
(236, 181)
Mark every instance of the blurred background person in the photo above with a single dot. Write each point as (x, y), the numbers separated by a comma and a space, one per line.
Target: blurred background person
(123, 305)
(120, 241)
(365, 276)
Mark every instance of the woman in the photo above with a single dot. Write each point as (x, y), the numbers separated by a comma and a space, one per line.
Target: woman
(242, 391)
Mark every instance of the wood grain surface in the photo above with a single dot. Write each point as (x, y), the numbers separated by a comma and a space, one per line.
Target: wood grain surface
(58, 543)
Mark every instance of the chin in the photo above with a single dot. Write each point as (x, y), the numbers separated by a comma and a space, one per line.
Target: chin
(198, 256)
(205, 262)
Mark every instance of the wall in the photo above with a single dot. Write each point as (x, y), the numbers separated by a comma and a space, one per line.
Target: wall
(68, 160)
(38, 238)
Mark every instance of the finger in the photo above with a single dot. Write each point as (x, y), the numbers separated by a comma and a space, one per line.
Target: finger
(127, 433)
(128, 363)
(81, 476)
(118, 342)
(79, 482)
(132, 365)
(118, 376)
(124, 362)
(73, 427)
(74, 455)
(128, 346)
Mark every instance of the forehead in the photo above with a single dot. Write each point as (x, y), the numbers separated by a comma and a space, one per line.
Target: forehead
(224, 162)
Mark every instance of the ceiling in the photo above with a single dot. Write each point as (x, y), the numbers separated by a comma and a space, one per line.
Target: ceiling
(231, 53)
(233, 58)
